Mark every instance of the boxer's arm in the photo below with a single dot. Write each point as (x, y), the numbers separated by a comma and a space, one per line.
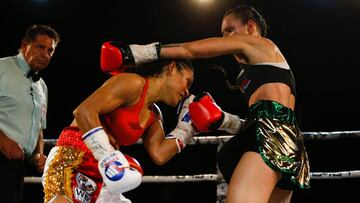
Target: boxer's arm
(120, 90)
(256, 48)
(211, 47)
(113, 93)
(160, 150)
(161, 147)
(114, 168)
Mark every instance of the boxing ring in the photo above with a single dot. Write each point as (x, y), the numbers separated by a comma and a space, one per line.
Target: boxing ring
(217, 178)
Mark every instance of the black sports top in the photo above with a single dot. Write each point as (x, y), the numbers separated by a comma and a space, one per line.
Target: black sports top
(251, 77)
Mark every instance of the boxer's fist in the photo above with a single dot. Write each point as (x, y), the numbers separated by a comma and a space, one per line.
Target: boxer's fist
(117, 56)
(184, 130)
(207, 116)
(120, 173)
(205, 113)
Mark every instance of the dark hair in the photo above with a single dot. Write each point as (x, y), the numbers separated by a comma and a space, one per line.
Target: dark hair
(35, 30)
(158, 67)
(223, 77)
(246, 13)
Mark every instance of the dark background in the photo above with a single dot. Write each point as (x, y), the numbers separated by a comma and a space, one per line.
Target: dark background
(319, 38)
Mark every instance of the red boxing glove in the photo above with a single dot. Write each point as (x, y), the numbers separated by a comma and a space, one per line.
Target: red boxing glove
(115, 57)
(205, 113)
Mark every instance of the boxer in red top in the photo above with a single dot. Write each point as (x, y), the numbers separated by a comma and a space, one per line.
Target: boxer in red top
(86, 164)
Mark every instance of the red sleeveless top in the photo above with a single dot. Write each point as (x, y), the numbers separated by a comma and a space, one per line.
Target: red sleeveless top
(123, 123)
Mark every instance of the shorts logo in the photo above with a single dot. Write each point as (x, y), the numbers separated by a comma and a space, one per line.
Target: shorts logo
(81, 195)
(114, 170)
(85, 186)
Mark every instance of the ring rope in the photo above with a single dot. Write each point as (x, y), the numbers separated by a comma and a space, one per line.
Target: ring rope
(159, 179)
(217, 178)
(335, 175)
(224, 138)
(331, 135)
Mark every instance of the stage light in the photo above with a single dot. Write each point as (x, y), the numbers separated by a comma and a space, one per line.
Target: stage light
(204, 1)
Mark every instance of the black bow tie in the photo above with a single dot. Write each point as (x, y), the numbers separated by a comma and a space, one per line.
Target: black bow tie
(34, 75)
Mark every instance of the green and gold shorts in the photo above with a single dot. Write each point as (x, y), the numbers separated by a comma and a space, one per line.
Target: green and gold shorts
(272, 131)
